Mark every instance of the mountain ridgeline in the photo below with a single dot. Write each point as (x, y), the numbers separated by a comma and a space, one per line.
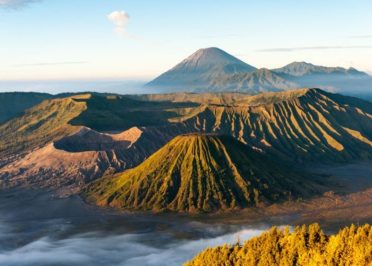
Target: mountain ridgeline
(65, 143)
(196, 173)
(15, 103)
(300, 125)
(213, 70)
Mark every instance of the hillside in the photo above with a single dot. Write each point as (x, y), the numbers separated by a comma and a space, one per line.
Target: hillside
(56, 118)
(40, 125)
(306, 245)
(205, 173)
(300, 125)
(15, 103)
(67, 142)
(64, 143)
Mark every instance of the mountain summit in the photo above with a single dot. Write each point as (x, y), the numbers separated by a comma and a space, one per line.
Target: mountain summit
(198, 70)
(207, 58)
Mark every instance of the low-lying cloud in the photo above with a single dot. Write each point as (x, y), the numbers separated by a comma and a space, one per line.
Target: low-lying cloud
(125, 249)
(120, 20)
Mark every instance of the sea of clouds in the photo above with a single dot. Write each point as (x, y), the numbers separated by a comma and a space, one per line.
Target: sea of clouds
(96, 248)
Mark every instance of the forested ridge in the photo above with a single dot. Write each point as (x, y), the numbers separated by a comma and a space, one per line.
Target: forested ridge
(305, 245)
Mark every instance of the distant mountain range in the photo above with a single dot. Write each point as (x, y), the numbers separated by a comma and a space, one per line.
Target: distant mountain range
(212, 70)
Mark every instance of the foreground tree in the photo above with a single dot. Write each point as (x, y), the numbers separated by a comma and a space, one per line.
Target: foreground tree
(305, 245)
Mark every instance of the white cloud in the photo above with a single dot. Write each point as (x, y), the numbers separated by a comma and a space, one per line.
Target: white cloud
(120, 19)
(15, 3)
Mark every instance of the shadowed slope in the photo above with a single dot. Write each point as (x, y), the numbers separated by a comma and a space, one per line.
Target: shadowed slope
(40, 124)
(199, 173)
(15, 103)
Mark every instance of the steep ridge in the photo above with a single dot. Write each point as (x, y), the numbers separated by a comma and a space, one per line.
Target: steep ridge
(40, 125)
(200, 173)
(299, 125)
(15, 103)
(53, 119)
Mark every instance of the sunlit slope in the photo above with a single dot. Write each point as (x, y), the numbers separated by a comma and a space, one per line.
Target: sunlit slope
(40, 124)
(57, 118)
(306, 245)
(307, 124)
(14, 103)
(200, 173)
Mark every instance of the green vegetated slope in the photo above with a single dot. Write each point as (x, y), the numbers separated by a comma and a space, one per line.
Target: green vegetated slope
(57, 118)
(40, 124)
(15, 103)
(306, 245)
(200, 173)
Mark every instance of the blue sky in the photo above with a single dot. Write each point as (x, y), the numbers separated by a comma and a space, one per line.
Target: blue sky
(75, 39)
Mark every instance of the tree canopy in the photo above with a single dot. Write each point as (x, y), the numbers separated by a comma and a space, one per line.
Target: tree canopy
(305, 245)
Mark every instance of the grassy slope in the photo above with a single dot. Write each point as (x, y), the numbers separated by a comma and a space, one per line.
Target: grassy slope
(15, 103)
(200, 173)
(40, 124)
(56, 118)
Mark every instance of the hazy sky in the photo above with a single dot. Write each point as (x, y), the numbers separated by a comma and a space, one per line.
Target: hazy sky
(112, 39)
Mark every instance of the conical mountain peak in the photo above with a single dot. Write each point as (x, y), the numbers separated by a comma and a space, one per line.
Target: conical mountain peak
(199, 70)
(199, 173)
(211, 56)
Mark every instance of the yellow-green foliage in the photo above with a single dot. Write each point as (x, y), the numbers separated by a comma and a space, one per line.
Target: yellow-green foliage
(306, 245)
(200, 173)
